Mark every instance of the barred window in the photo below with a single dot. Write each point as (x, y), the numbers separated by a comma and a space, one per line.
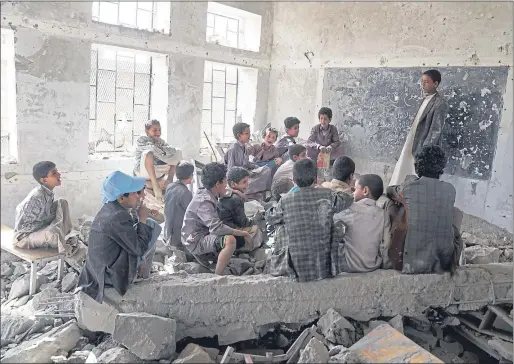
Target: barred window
(223, 30)
(120, 91)
(219, 108)
(147, 15)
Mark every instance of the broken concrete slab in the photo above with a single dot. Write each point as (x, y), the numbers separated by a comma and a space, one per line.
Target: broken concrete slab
(118, 355)
(503, 348)
(387, 345)
(14, 325)
(20, 286)
(336, 328)
(192, 300)
(6, 270)
(314, 352)
(337, 349)
(106, 344)
(77, 357)
(69, 282)
(397, 323)
(481, 255)
(42, 348)
(193, 354)
(94, 316)
(148, 336)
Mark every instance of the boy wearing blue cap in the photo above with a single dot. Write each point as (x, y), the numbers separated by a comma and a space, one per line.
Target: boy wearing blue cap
(122, 238)
(203, 233)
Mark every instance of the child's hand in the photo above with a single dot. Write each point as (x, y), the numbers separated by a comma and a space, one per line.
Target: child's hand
(278, 161)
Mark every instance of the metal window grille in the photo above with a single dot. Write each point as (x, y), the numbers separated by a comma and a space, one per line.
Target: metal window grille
(219, 110)
(119, 99)
(222, 29)
(133, 14)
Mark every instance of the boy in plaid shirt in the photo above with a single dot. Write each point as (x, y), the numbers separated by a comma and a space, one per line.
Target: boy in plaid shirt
(306, 242)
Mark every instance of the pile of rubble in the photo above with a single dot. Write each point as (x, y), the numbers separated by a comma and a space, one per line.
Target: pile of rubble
(485, 250)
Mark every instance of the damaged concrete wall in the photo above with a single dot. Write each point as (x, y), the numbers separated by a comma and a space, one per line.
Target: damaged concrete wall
(236, 308)
(52, 46)
(309, 37)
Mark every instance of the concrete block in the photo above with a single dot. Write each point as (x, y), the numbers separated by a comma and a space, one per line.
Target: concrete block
(454, 348)
(69, 282)
(42, 348)
(481, 255)
(148, 336)
(193, 354)
(314, 352)
(118, 355)
(336, 328)
(387, 345)
(94, 316)
(210, 305)
(20, 287)
(397, 323)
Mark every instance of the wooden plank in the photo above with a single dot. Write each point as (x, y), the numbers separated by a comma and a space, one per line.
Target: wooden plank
(29, 255)
(248, 359)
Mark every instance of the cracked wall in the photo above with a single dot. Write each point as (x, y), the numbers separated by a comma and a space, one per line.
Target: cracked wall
(310, 37)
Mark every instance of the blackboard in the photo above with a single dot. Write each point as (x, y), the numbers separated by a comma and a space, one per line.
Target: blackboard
(374, 108)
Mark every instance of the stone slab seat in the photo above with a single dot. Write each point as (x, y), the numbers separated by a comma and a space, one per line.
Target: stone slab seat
(236, 308)
(33, 256)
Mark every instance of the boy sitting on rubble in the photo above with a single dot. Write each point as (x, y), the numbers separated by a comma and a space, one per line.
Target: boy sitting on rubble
(41, 221)
(265, 154)
(232, 210)
(305, 246)
(342, 175)
(176, 199)
(432, 243)
(155, 159)
(122, 239)
(364, 227)
(238, 155)
(203, 232)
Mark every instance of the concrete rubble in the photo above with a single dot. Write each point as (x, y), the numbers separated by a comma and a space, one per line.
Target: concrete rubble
(481, 255)
(336, 328)
(193, 354)
(148, 336)
(314, 352)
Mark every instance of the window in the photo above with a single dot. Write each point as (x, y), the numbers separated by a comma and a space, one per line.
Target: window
(120, 99)
(231, 27)
(223, 29)
(8, 99)
(148, 15)
(229, 96)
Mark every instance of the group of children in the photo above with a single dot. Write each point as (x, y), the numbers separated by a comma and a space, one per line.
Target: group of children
(319, 230)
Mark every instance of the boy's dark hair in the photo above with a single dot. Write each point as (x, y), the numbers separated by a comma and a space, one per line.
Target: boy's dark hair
(239, 128)
(149, 123)
(325, 111)
(295, 150)
(41, 170)
(430, 162)
(271, 130)
(435, 75)
(291, 121)
(184, 170)
(305, 172)
(236, 174)
(280, 186)
(374, 183)
(213, 173)
(343, 168)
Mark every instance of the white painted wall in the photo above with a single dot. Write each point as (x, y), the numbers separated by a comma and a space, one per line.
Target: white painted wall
(415, 34)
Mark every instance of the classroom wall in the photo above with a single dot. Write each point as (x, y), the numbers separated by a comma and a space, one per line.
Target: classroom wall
(52, 46)
(309, 37)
